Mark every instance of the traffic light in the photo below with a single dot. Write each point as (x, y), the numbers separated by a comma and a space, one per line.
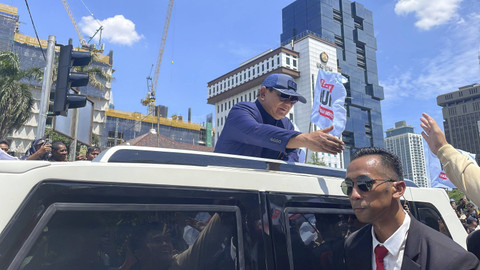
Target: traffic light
(67, 79)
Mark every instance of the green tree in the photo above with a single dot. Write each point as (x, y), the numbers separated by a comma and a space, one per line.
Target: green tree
(15, 97)
(316, 160)
(456, 194)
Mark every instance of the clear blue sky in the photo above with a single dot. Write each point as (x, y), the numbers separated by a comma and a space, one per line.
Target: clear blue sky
(425, 47)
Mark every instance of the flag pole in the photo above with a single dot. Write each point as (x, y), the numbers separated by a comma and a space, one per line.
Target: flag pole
(306, 151)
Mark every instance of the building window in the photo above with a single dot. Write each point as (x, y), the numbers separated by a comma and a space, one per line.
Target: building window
(272, 63)
(361, 62)
(278, 60)
(263, 67)
(337, 16)
(268, 66)
(452, 111)
(358, 23)
(288, 61)
(339, 42)
(294, 62)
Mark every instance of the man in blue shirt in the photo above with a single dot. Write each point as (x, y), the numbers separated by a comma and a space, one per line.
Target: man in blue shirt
(261, 128)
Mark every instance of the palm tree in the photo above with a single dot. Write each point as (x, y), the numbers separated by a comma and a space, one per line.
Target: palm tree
(15, 97)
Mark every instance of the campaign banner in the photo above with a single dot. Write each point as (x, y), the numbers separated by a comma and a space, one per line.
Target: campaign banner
(438, 178)
(328, 102)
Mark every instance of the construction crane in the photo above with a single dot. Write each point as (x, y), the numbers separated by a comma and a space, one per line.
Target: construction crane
(150, 98)
(84, 43)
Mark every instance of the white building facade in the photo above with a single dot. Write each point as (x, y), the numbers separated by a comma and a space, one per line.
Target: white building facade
(408, 146)
(301, 60)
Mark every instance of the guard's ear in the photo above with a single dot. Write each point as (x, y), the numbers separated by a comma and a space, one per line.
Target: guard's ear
(399, 188)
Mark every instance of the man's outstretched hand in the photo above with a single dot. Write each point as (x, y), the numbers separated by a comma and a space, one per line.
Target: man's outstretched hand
(318, 141)
(432, 133)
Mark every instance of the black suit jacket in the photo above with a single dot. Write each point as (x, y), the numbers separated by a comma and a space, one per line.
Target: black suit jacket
(425, 249)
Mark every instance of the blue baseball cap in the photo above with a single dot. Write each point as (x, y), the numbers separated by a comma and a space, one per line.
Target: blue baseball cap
(284, 84)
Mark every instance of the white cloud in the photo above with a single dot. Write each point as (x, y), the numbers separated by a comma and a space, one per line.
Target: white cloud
(117, 29)
(455, 65)
(429, 13)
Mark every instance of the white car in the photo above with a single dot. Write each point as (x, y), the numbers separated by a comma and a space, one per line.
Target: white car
(140, 207)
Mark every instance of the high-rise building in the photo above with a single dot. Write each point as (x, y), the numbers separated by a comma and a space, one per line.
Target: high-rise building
(408, 146)
(350, 27)
(461, 113)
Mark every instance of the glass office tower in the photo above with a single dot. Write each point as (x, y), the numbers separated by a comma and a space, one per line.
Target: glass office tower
(350, 26)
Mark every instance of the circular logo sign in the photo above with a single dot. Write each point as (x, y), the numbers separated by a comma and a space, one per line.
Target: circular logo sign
(324, 57)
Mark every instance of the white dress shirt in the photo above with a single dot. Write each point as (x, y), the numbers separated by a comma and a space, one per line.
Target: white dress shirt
(395, 245)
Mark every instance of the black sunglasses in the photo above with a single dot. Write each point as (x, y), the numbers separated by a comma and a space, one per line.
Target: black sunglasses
(364, 183)
(285, 97)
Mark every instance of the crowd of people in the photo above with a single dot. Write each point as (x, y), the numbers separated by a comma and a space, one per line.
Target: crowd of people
(43, 149)
(468, 214)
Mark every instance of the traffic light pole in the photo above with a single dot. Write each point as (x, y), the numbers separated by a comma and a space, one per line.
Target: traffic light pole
(46, 88)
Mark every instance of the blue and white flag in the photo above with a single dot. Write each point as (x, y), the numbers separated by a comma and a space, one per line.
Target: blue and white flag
(328, 102)
(438, 178)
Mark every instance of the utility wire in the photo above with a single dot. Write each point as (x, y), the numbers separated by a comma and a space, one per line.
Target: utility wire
(35, 29)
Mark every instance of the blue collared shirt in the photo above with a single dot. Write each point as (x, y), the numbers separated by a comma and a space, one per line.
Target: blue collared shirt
(251, 131)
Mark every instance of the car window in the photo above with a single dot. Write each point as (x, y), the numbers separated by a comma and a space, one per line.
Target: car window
(131, 237)
(316, 236)
(429, 215)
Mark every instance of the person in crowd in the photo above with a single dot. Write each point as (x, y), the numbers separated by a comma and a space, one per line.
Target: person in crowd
(39, 150)
(461, 171)
(392, 239)
(261, 128)
(92, 152)
(453, 204)
(462, 205)
(4, 145)
(472, 211)
(152, 248)
(59, 152)
(472, 224)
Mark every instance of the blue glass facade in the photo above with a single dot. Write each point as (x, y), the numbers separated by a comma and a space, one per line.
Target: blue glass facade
(350, 26)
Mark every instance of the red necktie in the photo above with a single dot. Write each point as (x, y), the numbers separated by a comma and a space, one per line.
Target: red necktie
(380, 253)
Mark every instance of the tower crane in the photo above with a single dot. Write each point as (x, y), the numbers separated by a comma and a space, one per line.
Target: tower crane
(150, 98)
(83, 43)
